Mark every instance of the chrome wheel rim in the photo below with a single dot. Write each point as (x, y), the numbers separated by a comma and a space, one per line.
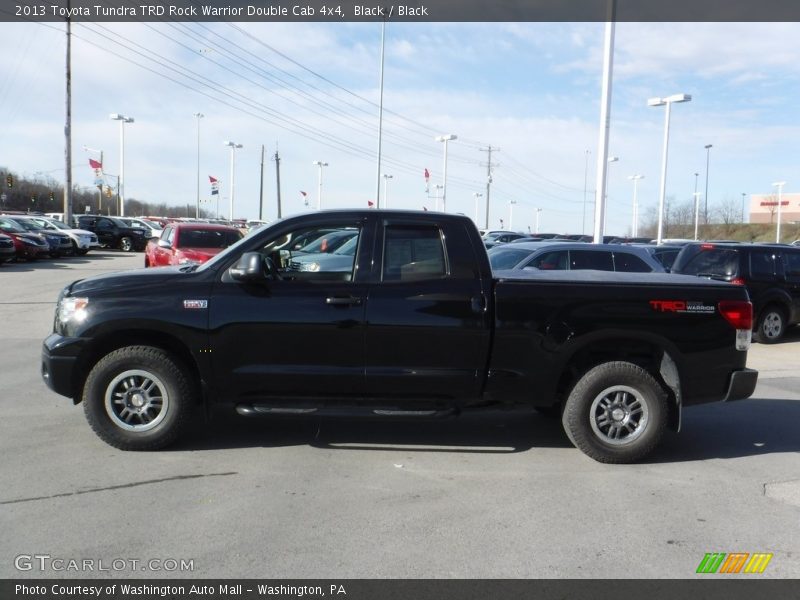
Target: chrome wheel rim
(773, 324)
(126, 244)
(136, 400)
(619, 415)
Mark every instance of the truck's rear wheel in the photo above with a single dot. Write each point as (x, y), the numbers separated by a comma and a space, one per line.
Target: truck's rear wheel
(616, 413)
(137, 398)
(771, 325)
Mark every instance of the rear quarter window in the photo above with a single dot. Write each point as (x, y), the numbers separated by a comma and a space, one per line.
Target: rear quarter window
(630, 263)
(590, 259)
(762, 264)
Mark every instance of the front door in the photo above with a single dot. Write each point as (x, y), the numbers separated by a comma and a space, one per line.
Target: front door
(299, 335)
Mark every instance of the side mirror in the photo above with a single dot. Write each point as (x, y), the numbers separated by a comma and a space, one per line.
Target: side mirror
(164, 244)
(250, 267)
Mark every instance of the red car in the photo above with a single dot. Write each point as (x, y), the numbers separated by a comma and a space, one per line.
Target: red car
(189, 244)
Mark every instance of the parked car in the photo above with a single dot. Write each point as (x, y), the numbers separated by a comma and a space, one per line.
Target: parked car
(571, 256)
(340, 260)
(59, 243)
(151, 228)
(770, 272)
(503, 237)
(328, 241)
(113, 233)
(7, 250)
(419, 329)
(189, 243)
(81, 240)
(665, 254)
(27, 245)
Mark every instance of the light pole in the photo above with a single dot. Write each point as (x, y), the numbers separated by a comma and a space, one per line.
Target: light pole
(386, 179)
(668, 101)
(538, 212)
(511, 204)
(635, 221)
(198, 116)
(779, 185)
(585, 182)
(122, 120)
(436, 188)
(320, 164)
(696, 212)
(708, 159)
(445, 138)
(743, 197)
(611, 159)
(476, 195)
(233, 146)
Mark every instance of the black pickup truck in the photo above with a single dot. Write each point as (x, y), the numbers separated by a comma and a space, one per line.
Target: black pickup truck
(415, 325)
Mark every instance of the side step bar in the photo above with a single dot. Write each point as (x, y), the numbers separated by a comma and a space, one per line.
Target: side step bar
(250, 410)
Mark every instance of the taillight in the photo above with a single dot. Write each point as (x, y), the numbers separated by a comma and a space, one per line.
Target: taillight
(706, 246)
(738, 281)
(739, 313)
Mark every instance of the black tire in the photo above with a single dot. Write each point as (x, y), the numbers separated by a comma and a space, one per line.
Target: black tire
(616, 413)
(118, 399)
(126, 244)
(771, 325)
(81, 251)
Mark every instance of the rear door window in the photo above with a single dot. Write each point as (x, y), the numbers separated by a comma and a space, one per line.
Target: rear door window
(413, 253)
(791, 265)
(551, 261)
(762, 264)
(590, 259)
(630, 263)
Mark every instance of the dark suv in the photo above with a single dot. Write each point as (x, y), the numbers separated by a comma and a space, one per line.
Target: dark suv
(113, 232)
(770, 272)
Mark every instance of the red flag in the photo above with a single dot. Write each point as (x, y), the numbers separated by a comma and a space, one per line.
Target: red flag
(212, 179)
(425, 208)
(214, 185)
(95, 164)
(427, 175)
(370, 203)
(304, 194)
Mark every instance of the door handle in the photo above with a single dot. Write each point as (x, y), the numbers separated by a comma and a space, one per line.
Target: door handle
(343, 301)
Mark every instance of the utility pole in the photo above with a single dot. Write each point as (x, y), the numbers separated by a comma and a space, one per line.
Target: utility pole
(68, 131)
(261, 187)
(488, 178)
(277, 160)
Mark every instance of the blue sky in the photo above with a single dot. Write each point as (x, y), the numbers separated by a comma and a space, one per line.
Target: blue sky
(531, 89)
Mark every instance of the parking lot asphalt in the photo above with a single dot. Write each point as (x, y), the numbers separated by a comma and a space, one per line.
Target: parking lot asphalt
(483, 496)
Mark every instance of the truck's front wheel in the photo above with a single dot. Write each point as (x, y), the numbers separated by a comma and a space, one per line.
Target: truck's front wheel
(616, 413)
(137, 398)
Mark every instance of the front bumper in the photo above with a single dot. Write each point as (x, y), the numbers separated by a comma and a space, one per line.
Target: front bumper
(59, 356)
(742, 385)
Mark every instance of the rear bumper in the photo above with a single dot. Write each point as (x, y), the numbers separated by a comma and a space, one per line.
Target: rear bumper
(742, 385)
(59, 355)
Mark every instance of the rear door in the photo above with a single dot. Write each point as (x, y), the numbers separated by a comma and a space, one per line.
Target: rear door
(427, 333)
(791, 269)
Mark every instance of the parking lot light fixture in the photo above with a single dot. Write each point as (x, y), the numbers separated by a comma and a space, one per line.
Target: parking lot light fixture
(668, 102)
(122, 120)
(779, 185)
(320, 164)
(233, 146)
(386, 178)
(445, 138)
(635, 221)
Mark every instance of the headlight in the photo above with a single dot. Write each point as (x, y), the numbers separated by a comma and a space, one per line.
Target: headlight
(70, 309)
(312, 266)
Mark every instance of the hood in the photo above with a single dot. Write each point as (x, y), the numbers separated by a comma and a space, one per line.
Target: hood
(116, 281)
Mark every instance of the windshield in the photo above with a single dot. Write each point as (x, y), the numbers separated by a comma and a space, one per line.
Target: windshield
(12, 226)
(506, 258)
(58, 224)
(714, 262)
(348, 248)
(26, 224)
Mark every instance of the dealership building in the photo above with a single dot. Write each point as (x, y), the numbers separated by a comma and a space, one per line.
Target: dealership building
(764, 208)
